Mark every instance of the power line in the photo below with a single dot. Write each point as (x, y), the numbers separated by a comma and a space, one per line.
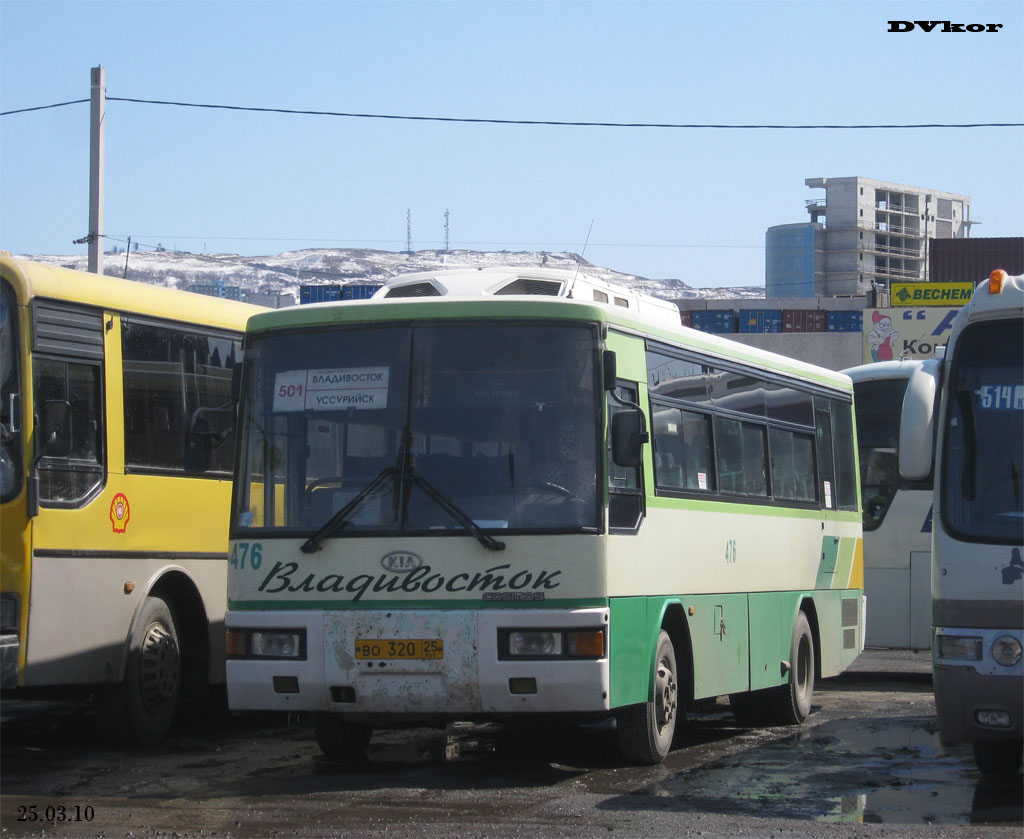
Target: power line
(555, 123)
(491, 242)
(43, 107)
(577, 124)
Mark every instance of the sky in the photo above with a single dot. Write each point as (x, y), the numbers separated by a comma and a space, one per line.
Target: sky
(691, 204)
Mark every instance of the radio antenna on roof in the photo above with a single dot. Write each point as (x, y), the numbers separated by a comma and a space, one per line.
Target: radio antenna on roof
(579, 260)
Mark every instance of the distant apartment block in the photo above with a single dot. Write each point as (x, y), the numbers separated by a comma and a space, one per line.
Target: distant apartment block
(862, 235)
(217, 289)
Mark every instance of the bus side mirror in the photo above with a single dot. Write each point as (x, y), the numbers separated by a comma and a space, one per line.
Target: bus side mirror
(917, 424)
(55, 428)
(628, 437)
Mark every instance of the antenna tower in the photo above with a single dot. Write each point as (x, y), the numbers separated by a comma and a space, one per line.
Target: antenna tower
(446, 240)
(408, 230)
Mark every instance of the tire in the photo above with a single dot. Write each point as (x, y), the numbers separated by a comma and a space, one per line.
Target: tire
(998, 757)
(645, 731)
(339, 739)
(142, 707)
(791, 703)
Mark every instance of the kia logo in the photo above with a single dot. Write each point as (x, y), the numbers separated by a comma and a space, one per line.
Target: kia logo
(401, 562)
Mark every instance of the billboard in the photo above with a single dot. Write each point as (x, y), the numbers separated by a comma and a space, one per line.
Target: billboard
(905, 332)
(930, 294)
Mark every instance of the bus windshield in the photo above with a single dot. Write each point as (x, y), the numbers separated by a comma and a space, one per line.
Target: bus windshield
(10, 437)
(438, 428)
(983, 456)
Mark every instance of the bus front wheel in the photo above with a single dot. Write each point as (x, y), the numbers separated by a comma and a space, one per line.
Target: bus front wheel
(142, 707)
(338, 738)
(645, 731)
(998, 757)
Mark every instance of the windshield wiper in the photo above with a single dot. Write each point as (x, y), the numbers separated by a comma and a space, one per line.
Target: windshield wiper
(340, 520)
(457, 513)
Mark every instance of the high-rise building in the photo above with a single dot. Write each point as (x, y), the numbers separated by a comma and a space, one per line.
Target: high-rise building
(862, 235)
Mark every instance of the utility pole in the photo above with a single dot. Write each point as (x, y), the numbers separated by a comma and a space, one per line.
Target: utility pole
(97, 129)
(447, 243)
(408, 231)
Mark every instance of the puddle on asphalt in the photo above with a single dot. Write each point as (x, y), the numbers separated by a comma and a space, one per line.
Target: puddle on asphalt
(886, 771)
(881, 771)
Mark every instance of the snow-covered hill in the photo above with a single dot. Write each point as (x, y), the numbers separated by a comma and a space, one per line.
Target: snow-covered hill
(283, 273)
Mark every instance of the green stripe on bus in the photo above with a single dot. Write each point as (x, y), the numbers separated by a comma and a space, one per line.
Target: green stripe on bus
(431, 605)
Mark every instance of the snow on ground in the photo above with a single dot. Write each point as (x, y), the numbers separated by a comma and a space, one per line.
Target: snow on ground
(283, 273)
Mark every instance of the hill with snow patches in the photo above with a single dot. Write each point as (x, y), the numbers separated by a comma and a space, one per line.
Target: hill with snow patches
(284, 273)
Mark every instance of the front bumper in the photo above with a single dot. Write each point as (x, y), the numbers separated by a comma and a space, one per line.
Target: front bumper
(471, 680)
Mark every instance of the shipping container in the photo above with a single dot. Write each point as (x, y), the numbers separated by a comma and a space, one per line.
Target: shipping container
(358, 291)
(845, 321)
(720, 321)
(319, 293)
(752, 321)
(972, 260)
(803, 320)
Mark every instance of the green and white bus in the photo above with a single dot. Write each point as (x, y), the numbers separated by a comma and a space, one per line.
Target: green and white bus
(499, 493)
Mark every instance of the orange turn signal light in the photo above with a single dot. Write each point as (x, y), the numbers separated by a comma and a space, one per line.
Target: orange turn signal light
(588, 643)
(236, 643)
(996, 280)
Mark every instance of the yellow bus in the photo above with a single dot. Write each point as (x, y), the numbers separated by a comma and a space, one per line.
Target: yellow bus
(116, 452)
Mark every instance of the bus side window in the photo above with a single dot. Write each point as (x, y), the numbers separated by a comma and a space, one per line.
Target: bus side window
(682, 449)
(845, 457)
(741, 454)
(625, 490)
(826, 467)
(70, 479)
(170, 373)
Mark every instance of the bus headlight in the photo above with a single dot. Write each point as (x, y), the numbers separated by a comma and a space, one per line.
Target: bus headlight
(1006, 650)
(551, 643)
(959, 647)
(532, 644)
(271, 644)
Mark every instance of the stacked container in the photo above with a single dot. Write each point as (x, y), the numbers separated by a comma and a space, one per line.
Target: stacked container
(803, 320)
(714, 320)
(753, 321)
(319, 293)
(845, 321)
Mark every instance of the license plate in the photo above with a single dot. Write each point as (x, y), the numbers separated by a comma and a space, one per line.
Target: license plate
(417, 648)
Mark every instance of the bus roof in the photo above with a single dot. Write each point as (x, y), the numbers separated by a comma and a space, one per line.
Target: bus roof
(475, 304)
(32, 279)
(902, 368)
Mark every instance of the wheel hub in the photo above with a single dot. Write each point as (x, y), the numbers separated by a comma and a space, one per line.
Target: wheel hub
(665, 696)
(159, 671)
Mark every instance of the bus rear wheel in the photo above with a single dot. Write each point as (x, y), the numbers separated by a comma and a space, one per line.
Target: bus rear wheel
(646, 731)
(338, 738)
(142, 707)
(790, 704)
(998, 757)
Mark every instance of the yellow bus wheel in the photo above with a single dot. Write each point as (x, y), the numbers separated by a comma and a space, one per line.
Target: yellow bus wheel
(142, 707)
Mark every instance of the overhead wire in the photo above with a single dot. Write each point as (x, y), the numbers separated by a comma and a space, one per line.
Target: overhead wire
(537, 122)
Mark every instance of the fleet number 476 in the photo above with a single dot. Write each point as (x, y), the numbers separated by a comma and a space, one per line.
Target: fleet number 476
(246, 554)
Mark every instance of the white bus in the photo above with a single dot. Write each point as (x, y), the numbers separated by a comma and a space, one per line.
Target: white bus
(495, 494)
(897, 514)
(974, 400)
